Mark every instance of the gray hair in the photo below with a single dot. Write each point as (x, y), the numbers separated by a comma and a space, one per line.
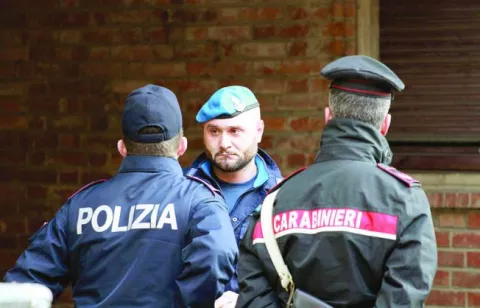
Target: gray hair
(371, 110)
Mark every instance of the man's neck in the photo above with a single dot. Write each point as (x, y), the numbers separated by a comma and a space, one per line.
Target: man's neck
(240, 176)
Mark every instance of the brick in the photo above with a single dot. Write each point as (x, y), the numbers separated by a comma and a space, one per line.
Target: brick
(266, 143)
(100, 36)
(13, 225)
(274, 123)
(451, 258)
(337, 47)
(435, 199)
(453, 199)
(42, 140)
(98, 142)
(8, 241)
(12, 157)
(229, 33)
(296, 86)
(13, 20)
(36, 192)
(90, 176)
(454, 220)
(473, 299)
(68, 158)
(11, 89)
(306, 124)
(294, 31)
(194, 50)
(465, 279)
(68, 177)
(99, 123)
(37, 158)
(296, 49)
(11, 37)
(296, 160)
(184, 15)
(252, 14)
(196, 33)
(298, 13)
(37, 123)
(195, 86)
(466, 239)
(14, 54)
(473, 220)
(208, 69)
(446, 298)
(68, 123)
(263, 32)
(99, 53)
(13, 122)
(8, 174)
(165, 70)
(98, 159)
(62, 194)
(262, 49)
(68, 141)
(269, 86)
(442, 278)
(475, 200)
(72, 53)
(127, 86)
(130, 17)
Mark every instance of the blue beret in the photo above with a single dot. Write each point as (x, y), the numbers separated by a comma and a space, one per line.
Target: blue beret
(227, 102)
(362, 75)
(151, 106)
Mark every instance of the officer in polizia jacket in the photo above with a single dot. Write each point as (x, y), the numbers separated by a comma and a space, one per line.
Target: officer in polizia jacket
(147, 237)
(354, 232)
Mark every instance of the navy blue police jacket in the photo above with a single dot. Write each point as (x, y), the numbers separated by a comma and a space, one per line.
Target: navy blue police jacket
(268, 175)
(147, 237)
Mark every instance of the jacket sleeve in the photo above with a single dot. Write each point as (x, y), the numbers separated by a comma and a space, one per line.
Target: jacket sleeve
(45, 261)
(255, 289)
(411, 267)
(209, 256)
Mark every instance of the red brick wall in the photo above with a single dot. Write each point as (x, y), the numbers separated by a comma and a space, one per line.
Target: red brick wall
(457, 221)
(67, 65)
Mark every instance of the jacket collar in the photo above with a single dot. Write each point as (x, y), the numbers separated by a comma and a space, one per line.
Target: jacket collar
(152, 164)
(353, 140)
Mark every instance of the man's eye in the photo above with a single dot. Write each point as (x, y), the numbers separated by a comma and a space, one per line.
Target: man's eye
(214, 131)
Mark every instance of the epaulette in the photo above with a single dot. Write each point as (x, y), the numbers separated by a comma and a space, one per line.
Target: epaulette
(209, 186)
(405, 178)
(87, 186)
(288, 177)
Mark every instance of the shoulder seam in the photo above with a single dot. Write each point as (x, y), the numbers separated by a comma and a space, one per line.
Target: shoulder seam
(212, 189)
(288, 177)
(86, 186)
(402, 177)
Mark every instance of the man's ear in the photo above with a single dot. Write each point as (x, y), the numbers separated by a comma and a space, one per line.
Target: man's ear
(386, 124)
(122, 149)
(328, 114)
(260, 130)
(182, 147)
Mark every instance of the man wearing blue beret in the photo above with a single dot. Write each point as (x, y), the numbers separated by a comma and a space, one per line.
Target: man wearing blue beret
(232, 161)
(351, 230)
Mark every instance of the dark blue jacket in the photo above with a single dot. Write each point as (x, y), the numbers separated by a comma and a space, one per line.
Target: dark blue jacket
(268, 175)
(148, 237)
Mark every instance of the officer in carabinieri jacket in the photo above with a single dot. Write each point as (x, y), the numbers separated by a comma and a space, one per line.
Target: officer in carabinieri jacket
(354, 232)
(147, 237)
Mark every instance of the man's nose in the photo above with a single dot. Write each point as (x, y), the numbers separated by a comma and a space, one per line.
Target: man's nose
(224, 141)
